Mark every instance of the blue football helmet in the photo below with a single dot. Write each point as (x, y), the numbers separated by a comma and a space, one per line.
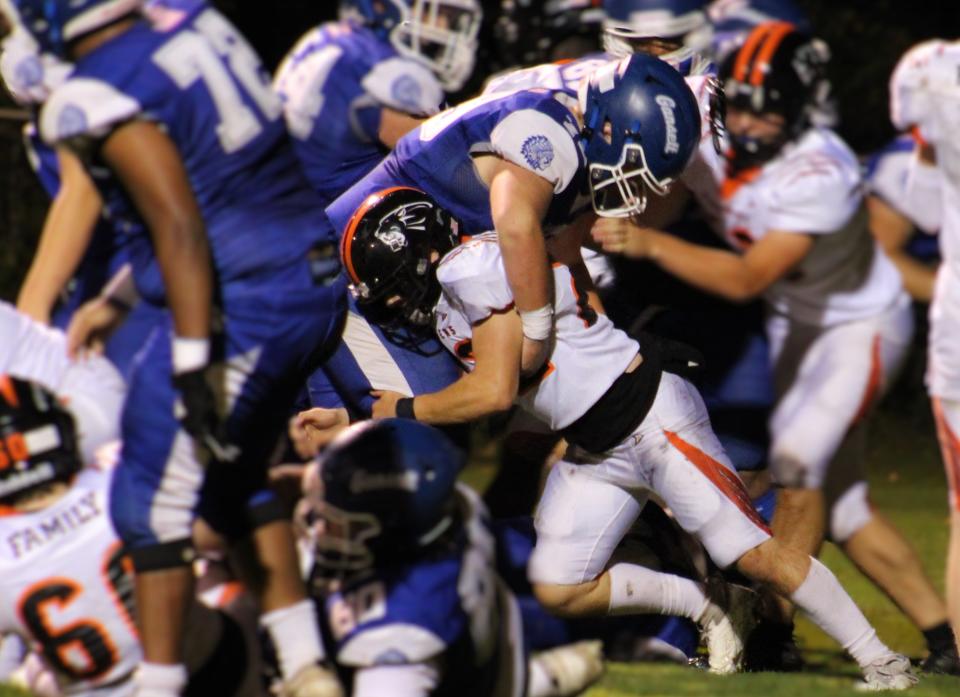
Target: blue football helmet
(55, 23)
(440, 34)
(384, 496)
(635, 25)
(641, 126)
(38, 439)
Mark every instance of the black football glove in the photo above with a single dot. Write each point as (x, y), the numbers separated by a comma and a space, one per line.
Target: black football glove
(197, 413)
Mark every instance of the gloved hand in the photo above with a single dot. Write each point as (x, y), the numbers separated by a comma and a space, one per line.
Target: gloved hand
(197, 412)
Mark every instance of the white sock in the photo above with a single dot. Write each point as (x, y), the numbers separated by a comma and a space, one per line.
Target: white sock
(636, 590)
(295, 635)
(539, 683)
(160, 679)
(826, 603)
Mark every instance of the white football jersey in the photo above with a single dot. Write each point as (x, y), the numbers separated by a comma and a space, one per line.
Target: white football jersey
(812, 187)
(588, 354)
(909, 185)
(66, 587)
(91, 389)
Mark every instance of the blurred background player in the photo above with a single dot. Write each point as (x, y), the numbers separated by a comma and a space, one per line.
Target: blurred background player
(222, 190)
(403, 561)
(787, 197)
(352, 88)
(924, 94)
(66, 583)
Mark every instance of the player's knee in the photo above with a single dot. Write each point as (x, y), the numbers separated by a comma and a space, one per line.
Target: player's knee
(564, 600)
(850, 513)
(759, 563)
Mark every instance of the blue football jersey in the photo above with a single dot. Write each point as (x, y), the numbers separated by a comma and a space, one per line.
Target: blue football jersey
(450, 607)
(530, 129)
(563, 77)
(193, 74)
(335, 84)
(369, 358)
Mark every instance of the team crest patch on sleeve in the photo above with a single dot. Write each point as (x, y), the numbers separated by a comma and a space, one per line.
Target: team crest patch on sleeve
(406, 90)
(71, 122)
(29, 71)
(537, 151)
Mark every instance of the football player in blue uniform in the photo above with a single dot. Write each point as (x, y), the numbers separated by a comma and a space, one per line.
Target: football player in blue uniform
(352, 88)
(404, 564)
(181, 112)
(518, 164)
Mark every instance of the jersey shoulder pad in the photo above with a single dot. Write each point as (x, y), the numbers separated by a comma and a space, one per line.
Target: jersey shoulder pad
(390, 644)
(85, 107)
(473, 278)
(541, 136)
(401, 84)
(818, 186)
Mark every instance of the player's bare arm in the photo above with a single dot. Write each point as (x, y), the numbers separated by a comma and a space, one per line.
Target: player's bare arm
(892, 231)
(149, 165)
(394, 125)
(518, 202)
(66, 235)
(738, 278)
(490, 388)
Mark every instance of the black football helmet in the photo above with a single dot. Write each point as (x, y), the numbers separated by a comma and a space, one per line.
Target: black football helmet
(38, 439)
(384, 494)
(779, 70)
(388, 251)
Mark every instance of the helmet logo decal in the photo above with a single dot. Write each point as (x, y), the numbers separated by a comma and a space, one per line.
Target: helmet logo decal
(667, 106)
(362, 481)
(537, 151)
(392, 237)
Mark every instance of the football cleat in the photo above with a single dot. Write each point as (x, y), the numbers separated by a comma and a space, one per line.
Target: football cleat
(724, 626)
(942, 662)
(772, 647)
(572, 668)
(889, 672)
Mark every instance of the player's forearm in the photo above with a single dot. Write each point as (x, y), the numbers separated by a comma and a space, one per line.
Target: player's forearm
(918, 278)
(526, 266)
(716, 271)
(468, 399)
(184, 258)
(66, 235)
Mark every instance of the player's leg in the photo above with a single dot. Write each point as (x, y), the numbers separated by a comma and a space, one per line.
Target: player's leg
(882, 553)
(155, 489)
(275, 342)
(707, 498)
(588, 505)
(947, 413)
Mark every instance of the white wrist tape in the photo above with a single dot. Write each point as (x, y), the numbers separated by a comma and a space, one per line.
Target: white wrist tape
(537, 324)
(189, 354)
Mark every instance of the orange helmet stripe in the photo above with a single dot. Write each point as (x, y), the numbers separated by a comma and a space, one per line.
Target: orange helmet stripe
(749, 48)
(777, 32)
(346, 242)
(8, 392)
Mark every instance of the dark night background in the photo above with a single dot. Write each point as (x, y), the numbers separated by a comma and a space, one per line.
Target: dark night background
(866, 38)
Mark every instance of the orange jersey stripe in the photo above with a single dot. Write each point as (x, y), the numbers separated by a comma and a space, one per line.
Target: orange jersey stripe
(874, 382)
(8, 392)
(726, 481)
(950, 451)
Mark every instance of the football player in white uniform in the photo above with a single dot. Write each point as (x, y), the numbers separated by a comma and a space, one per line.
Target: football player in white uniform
(66, 585)
(903, 198)
(91, 389)
(924, 93)
(787, 197)
(633, 424)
